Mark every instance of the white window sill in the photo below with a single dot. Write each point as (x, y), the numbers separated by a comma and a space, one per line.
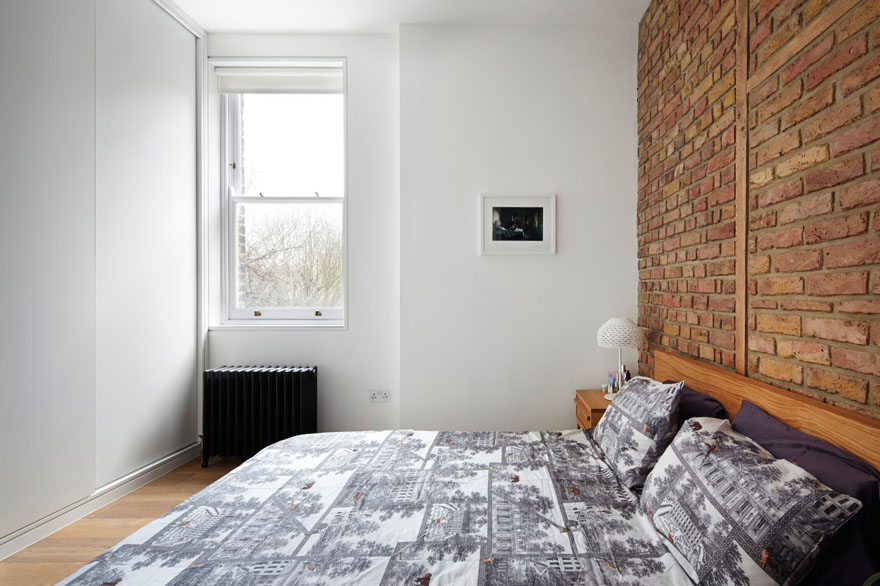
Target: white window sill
(283, 327)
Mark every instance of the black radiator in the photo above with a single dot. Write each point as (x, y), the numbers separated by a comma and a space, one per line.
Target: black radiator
(247, 408)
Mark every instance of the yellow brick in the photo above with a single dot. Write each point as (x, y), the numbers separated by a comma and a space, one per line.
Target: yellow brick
(802, 160)
(761, 178)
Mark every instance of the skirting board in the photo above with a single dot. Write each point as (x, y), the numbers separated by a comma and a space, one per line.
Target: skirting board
(51, 523)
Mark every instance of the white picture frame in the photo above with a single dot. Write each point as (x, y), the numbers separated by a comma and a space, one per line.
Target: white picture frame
(517, 223)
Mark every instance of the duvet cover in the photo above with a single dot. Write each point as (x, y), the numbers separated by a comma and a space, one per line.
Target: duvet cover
(418, 508)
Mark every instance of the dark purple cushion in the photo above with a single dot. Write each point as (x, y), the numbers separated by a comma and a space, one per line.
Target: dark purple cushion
(694, 404)
(852, 555)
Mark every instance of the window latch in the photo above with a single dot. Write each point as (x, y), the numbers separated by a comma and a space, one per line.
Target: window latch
(232, 165)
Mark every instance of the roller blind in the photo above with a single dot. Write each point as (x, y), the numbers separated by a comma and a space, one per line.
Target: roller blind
(326, 79)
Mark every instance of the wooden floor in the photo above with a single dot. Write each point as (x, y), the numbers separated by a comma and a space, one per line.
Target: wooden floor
(65, 551)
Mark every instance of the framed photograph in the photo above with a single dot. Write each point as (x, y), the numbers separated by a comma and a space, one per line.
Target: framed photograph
(518, 224)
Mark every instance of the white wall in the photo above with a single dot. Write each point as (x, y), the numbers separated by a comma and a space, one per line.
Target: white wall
(365, 355)
(47, 342)
(503, 342)
(146, 387)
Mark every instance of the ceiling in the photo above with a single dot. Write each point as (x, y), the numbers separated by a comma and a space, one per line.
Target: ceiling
(382, 16)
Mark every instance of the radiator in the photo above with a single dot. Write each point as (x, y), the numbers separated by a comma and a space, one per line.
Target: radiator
(247, 408)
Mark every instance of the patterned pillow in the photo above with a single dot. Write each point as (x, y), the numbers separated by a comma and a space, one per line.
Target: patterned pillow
(637, 426)
(733, 514)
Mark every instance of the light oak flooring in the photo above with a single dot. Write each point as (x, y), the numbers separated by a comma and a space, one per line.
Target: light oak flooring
(68, 549)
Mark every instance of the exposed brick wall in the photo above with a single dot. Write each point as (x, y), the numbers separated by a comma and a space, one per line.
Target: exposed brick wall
(686, 178)
(814, 247)
(814, 194)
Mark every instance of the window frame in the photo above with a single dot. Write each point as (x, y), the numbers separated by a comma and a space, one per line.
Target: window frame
(230, 195)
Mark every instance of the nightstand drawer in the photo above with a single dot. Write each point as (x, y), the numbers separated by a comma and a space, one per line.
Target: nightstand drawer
(590, 405)
(583, 418)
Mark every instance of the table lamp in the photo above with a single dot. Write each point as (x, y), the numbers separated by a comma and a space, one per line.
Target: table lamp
(619, 332)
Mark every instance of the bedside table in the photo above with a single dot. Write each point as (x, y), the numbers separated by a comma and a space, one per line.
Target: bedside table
(590, 405)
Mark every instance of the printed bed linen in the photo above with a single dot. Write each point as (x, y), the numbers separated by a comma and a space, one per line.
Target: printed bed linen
(401, 507)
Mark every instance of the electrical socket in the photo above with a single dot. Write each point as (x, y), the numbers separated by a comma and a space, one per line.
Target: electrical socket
(379, 395)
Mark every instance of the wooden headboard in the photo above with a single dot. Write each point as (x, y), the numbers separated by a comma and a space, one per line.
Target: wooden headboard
(854, 433)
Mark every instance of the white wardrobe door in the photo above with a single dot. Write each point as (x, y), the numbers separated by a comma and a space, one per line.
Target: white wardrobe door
(145, 237)
(47, 267)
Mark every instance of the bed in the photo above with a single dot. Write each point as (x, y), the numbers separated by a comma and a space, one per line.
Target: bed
(433, 508)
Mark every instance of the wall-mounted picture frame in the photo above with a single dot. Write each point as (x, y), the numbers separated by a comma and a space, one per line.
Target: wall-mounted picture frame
(517, 223)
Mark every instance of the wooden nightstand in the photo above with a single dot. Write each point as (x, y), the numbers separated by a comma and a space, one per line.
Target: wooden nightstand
(590, 405)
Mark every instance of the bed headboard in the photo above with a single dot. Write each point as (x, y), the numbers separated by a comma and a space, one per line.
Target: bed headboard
(854, 433)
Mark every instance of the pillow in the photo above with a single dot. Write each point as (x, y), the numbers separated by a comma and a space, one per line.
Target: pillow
(731, 513)
(696, 404)
(637, 426)
(852, 554)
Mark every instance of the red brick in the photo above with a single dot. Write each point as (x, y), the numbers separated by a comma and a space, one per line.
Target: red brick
(844, 56)
(799, 260)
(831, 120)
(709, 251)
(701, 286)
(835, 174)
(860, 76)
(860, 194)
(759, 265)
(780, 192)
(785, 98)
(804, 351)
(763, 11)
(759, 303)
(854, 254)
(764, 132)
(781, 370)
(722, 231)
(856, 137)
(725, 304)
(779, 324)
(722, 339)
(780, 37)
(874, 96)
(722, 267)
(857, 360)
(806, 208)
(781, 239)
(810, 56)
(837, 284)
(781, 286)
(762, 221)
(835, 228)
(808, 107)
(806, 305)
(846, 386)
(859, 306)
(861, 16)
(840, 330)
(779, 147)
(765, 344)
(764, 91)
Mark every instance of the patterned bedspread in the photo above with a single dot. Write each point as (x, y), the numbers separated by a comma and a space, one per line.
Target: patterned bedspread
(402, 507)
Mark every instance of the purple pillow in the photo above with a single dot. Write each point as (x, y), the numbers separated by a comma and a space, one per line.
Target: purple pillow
(851, 556)
(694, 404)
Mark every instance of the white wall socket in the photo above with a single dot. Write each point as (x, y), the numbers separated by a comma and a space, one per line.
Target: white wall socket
(379, 395)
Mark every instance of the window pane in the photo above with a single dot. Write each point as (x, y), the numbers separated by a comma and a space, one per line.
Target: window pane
(289, 255)
(292, 145)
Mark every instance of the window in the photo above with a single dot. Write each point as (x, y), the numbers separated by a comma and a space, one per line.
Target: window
(284, 191)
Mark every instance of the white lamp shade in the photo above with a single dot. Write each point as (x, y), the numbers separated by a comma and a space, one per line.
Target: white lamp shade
(619, 332)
